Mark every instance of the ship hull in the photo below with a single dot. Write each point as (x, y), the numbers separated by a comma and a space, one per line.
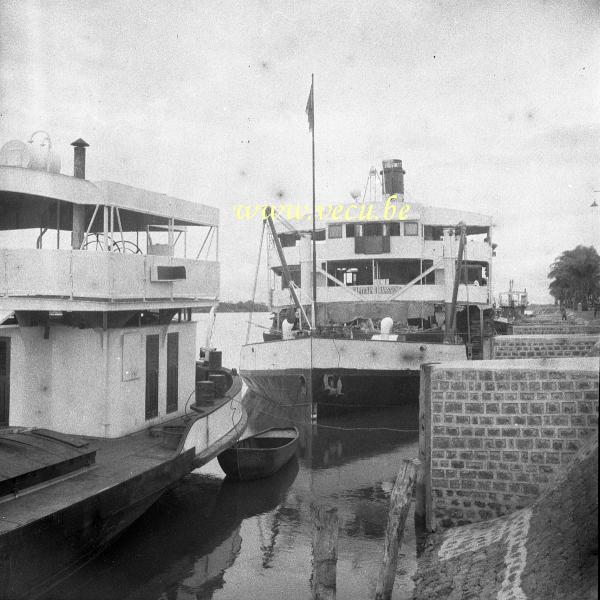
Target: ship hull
(51, 531)
(337, 375)
(40, 554)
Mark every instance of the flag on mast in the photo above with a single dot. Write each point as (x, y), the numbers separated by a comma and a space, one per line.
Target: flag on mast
(310, 110)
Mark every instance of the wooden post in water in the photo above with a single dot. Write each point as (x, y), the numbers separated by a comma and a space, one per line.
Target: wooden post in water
(324, 547)
(399, 505)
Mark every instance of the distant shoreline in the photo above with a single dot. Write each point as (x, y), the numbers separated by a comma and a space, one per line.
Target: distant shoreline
(246, 306)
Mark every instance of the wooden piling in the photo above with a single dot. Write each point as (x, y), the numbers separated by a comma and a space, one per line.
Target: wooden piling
(424, 418)
(324, 547)
(423, 505)
(399, 505)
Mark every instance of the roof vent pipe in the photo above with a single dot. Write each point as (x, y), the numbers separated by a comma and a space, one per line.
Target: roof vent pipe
(79, 158)
(78, 230)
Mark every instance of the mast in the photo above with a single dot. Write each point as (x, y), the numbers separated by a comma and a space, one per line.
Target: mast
(310, 111)
(451, 325)
(285, 271)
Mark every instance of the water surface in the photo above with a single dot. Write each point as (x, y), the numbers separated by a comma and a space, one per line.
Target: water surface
(210, 538)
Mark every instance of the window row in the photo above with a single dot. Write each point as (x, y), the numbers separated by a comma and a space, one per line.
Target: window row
(395, 228)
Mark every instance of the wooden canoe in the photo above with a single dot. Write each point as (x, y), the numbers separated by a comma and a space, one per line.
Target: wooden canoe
(260, 455)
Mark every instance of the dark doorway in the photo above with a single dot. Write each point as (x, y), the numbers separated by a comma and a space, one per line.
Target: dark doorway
(151, 376)
(4, 380)
(172, 371)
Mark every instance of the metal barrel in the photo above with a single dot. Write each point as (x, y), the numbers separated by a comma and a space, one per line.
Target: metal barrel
(215, 359)
(220, 383)
(205, 391)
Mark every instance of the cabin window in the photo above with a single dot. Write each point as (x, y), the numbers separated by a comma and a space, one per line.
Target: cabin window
(433, 232)
(403, 271)
(394, 228)
(294, 276)
(350, 272)
(335, 231)
(350, 227)
(4, 380)
(350, 276)
(172, 371)
(474, 273)
(288, 240)
(372, 229)
(152, 351)
(411, 228)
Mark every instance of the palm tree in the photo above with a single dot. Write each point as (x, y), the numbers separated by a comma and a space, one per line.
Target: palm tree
(575, 276)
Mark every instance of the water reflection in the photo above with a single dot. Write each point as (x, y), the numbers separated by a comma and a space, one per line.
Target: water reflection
(349, 462)
(211, 538)
(183, 545)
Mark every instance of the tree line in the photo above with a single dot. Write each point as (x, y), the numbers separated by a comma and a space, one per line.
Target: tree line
(575, 278)
(245, 306)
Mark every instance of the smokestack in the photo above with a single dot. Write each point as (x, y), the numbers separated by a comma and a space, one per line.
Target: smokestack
(78, 229)
(392, 178)
(79, 158)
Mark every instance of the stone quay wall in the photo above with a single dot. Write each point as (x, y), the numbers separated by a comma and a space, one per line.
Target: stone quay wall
(494, 433)
(547, 550)
(543, 346)
(554, 328)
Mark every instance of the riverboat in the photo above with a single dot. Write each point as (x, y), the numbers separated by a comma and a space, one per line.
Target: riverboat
(404, 285)
(98, 369)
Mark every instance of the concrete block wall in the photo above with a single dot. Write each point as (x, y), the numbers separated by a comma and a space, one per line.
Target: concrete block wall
(494, 433)
(543, 346)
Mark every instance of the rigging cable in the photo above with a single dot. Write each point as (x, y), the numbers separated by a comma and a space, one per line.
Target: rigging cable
(262, 235)
(466, 271)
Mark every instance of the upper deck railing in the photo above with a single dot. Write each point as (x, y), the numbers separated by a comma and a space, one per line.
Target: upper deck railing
(474, 294)
(67, 243)
(396, 247)
(33, 279)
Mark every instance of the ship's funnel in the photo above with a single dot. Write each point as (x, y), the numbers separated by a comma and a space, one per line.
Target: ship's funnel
(392, 178)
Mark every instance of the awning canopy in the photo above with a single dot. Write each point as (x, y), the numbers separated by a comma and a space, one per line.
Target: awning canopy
(30, 199)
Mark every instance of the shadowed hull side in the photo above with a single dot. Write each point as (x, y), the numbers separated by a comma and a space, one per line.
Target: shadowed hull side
(334, 390)
(38, 555)
(340, 374)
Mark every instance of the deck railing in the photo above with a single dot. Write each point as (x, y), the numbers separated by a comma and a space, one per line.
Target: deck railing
(103, 276)
(381, 293)
(369, 290)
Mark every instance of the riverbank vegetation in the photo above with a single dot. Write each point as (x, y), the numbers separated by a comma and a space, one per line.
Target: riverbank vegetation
(575, 276)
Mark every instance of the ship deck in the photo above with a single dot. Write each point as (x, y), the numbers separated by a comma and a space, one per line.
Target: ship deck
(137, 456)
(117, 460)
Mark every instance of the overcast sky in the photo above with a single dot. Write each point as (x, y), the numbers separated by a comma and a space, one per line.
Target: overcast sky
(492, 107)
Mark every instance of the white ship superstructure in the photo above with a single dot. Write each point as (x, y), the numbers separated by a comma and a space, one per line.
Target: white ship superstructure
(417, 265)
(103, 405)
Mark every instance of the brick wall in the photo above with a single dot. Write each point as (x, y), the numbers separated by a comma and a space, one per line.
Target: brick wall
(542, 346)
(494, 433)
(553, 328)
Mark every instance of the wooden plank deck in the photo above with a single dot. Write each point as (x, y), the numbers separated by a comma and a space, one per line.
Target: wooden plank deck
(117, 461)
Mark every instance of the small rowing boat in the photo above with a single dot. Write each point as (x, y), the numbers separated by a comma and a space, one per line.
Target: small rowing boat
(260, 455)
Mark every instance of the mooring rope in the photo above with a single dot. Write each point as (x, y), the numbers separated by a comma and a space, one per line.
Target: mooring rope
(323, 426)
